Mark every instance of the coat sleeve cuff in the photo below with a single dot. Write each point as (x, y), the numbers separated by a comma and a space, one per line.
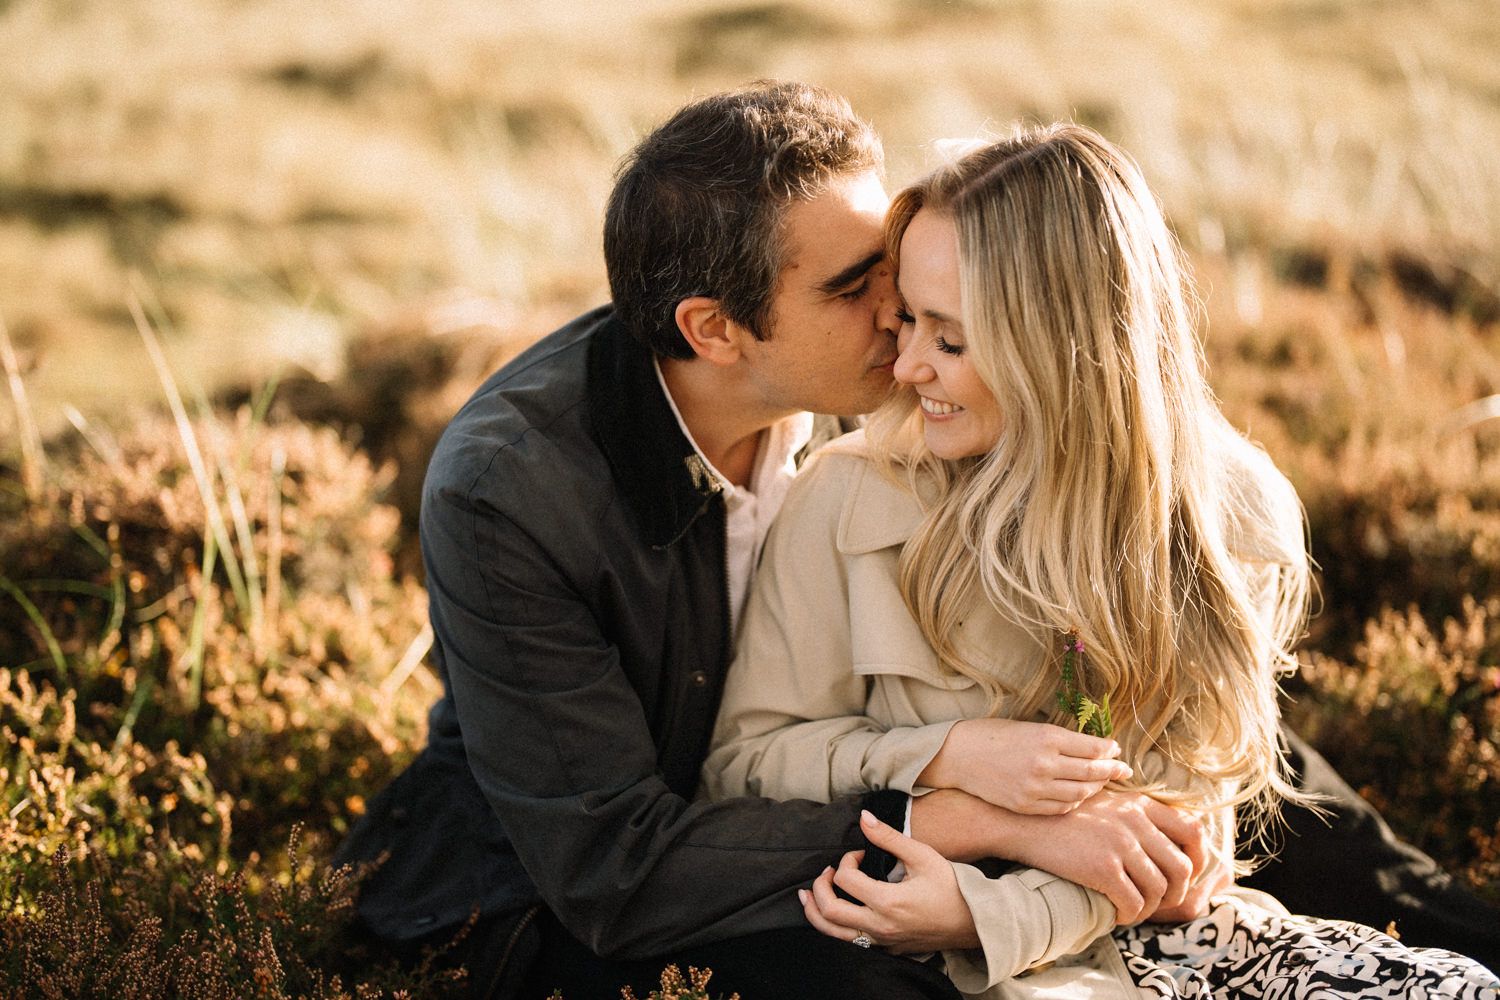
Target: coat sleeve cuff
(889, 806)
(1024, 919)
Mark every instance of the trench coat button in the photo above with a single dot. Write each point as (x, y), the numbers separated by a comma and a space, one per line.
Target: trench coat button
(700, 679)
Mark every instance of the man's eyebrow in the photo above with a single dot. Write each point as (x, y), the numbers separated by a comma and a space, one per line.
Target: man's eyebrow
(850, 273)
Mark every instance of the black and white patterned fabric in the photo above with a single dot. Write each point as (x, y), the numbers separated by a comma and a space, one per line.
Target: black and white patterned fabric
(1241, 949)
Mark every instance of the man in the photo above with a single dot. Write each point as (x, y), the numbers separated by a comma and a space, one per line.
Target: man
(590, 523)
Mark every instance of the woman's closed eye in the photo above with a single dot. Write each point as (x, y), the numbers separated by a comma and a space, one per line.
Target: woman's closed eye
(948, 347)
(904, 316)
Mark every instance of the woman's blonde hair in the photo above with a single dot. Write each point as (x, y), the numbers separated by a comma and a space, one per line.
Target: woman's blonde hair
(1107, 507)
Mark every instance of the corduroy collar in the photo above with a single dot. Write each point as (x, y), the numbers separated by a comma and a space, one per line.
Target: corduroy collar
(655, 466)
(659, 472)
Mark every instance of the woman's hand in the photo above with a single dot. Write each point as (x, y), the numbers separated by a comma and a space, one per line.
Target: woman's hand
(1027, 767)
(924, 912)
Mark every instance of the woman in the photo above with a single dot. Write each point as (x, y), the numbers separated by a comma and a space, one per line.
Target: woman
(1052, 473)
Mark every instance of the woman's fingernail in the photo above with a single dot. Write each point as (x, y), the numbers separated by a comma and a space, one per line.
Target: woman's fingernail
(865, 816)
(802, 896)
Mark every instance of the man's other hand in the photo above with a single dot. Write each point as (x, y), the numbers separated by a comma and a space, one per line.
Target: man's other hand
(1141, 854)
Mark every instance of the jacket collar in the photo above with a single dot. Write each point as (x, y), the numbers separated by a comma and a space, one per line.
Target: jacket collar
(877, 512)
(656, 467)
(665, 483)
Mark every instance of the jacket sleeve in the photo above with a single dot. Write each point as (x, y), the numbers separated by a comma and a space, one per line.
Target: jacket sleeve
(1026, 918)
(557, 740)
(793, 720)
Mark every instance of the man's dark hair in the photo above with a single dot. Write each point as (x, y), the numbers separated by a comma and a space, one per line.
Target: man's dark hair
(697, 205)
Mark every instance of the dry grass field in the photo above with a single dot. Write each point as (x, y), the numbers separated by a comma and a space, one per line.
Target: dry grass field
(335, 219)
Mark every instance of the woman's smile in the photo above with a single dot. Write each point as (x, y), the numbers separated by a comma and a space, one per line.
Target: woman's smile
(938, 410)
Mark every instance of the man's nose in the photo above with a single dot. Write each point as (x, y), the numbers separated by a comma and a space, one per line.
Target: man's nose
(888, 308)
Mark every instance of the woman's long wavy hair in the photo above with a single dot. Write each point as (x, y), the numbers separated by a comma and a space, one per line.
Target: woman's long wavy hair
(1105, 508)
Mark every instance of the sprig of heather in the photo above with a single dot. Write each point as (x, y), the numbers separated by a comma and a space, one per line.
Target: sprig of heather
(1093, 717)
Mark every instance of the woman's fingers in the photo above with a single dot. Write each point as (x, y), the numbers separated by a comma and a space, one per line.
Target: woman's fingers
(856, 883)
(839, 911)
(1075, 744)
(821, 923)
(912, 853)
(1100, 770)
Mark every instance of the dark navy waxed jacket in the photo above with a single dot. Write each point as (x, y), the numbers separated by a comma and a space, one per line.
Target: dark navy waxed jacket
(576, 571)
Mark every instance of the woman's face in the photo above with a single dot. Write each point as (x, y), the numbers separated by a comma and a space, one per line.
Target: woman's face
(960, 417)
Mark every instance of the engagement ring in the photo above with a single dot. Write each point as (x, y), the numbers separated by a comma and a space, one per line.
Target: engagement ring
(863, 940)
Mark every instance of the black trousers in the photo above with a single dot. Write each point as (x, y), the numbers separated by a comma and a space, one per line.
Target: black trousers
(790, 964)
(1352, 867)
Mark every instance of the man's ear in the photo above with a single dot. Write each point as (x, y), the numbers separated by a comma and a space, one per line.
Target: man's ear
(712, 335)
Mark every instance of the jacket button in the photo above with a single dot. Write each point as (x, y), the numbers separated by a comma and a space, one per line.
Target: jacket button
(700, 679)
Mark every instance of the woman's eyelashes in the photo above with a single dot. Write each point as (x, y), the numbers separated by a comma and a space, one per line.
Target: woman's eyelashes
(940, 342)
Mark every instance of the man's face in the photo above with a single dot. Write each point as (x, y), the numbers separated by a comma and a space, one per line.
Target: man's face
(831, 340)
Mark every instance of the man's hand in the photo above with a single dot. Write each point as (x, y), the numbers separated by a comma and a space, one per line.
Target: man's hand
(1219, 877)
(924, 912)
(1140, 853)
(1026, 767)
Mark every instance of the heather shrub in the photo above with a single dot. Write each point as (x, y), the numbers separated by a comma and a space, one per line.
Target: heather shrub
(63, 793)
(674, 986)
(1358, 375)
(1413, 721)
(228, 688)
(172, 927)
(1359, 384)
(203, 645)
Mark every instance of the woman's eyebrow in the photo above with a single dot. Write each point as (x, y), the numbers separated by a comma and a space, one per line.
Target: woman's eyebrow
(940, 317)
(850, 273)
(932, 314)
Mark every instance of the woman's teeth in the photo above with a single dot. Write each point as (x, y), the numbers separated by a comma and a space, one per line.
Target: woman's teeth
(937, 409)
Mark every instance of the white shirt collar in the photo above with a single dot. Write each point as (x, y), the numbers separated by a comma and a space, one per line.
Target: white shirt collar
(777, 451)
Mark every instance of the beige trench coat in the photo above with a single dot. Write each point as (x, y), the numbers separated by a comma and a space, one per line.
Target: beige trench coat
(834, 691)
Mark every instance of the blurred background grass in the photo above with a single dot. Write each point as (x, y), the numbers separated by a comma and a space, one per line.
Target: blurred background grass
(369, 205)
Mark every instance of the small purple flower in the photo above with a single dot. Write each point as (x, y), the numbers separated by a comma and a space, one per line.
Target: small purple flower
(1078, 646)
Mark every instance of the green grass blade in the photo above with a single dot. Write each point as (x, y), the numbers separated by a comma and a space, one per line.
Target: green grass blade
(200, 617)
(202, 475)
(59, 662)
(33, 458)
(145, 683)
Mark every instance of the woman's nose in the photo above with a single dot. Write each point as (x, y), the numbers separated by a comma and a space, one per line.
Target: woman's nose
(910, 369)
